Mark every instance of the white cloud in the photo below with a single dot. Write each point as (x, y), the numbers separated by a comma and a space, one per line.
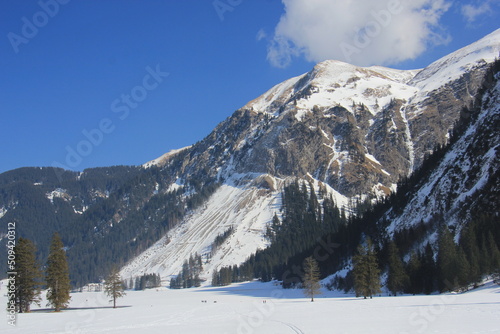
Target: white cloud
(472, 12)
(261, 34)
(362, 32)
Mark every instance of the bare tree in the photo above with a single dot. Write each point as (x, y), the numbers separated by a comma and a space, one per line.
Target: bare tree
(113, 286)
(311, 278)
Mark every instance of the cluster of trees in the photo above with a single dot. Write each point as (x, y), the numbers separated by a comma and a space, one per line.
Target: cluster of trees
(231, 274)
(29, 278)
(146, 281)
(190, 274)
(307, 220)
(477, 254)
(220, 239)
(452, 267)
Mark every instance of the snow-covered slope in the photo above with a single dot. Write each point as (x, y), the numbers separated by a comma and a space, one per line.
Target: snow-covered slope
(454, 65)
(247, 209)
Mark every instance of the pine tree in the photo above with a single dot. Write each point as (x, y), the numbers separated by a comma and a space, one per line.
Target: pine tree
(311, 278)
(414, 269)
(28, 276)
(468, 242)
(494, 253)
(113, 286)
(447, 261)
(215, 278)
(366, 271)
(57, 275)
(397, 280)
(429, 270)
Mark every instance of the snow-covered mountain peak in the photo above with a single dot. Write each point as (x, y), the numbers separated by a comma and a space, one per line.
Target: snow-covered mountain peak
(161, 161)
(454, 65)
(333, 82)
(335, 71)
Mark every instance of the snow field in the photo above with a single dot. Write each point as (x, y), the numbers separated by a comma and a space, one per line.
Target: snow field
(255, 307)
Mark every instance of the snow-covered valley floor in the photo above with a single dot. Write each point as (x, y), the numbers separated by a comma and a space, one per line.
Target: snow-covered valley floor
(263, 308)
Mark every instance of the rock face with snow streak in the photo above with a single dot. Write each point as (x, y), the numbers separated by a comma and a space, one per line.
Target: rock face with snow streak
(356, 129)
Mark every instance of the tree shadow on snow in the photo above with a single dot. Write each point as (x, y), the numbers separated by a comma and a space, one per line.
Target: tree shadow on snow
(51, 310)
(266, 290)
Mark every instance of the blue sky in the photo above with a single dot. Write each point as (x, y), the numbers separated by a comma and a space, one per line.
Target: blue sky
(87, 83)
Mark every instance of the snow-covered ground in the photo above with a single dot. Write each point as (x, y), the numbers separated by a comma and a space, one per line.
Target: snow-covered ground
(264, 308)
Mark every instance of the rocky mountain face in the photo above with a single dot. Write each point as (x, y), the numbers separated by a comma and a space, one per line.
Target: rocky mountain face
(356, 129)
(351, 130)
(465, 183)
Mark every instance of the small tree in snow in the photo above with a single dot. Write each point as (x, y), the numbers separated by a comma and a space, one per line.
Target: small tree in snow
(311, 278)
(113, 286)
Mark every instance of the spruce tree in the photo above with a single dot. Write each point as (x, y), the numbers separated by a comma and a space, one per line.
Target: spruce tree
(28, 276)
(366, 271)
(429, 271)
(494, 253)
(311, 278)
(215, 278)
(468, 242)
(113, 286)
(447, 261)
(414, 269)
(57, 275)
(397, 280)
